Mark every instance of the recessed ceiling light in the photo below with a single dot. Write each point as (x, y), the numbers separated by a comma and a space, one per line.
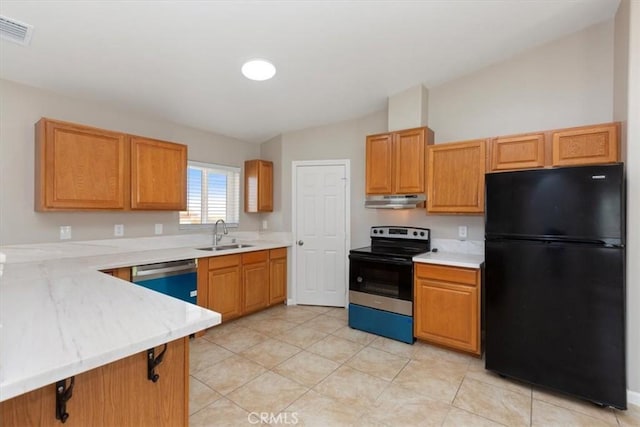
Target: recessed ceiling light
(258, 69)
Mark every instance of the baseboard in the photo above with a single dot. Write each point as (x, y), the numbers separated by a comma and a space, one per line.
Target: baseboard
(633, 397)
(291, 301)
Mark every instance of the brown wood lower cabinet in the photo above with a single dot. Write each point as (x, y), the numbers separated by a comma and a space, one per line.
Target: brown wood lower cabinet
(223, 285)
(123, 273)
(116, 394)
(447, 306)
(239, 284)
(277, 275)
(255, 281)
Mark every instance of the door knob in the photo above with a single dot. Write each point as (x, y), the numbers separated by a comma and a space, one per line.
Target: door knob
(300, 243)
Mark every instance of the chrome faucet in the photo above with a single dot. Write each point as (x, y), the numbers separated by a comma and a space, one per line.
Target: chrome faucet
(216, 236)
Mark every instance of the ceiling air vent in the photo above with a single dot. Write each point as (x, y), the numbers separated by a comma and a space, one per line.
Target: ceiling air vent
(15, 31)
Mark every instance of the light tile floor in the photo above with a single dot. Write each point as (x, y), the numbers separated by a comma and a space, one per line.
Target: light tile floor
(303, 365)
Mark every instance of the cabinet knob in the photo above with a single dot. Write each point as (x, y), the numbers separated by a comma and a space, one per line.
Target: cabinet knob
(300, 243)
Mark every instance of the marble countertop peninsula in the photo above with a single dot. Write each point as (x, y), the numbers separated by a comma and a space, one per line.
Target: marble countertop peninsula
(59, 316)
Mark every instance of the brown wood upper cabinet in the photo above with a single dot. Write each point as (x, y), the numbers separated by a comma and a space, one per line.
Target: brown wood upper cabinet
(158, 175)
(79, 167)
(84, 168)
(395, 161)
(594, 144)
(518, 152)
(455, 177)
(586, 145)
(258, 186)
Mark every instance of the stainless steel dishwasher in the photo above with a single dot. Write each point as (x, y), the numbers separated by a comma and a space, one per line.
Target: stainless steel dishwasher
(174, 278)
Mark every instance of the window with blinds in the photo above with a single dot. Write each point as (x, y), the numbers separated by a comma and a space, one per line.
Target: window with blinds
(213, 193)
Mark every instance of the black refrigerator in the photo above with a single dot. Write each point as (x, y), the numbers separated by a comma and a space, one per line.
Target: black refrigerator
(555, 280)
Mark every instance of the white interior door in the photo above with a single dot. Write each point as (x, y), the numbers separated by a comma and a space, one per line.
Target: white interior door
(320, 219)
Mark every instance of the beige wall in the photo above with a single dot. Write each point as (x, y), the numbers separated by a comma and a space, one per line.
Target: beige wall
(22, 106)
(564, 83)
(272, 150)
(517, 95)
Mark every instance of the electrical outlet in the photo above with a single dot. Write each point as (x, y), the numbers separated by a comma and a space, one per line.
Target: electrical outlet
(65, 232)
(158, 229)
(264, 224)
(462, 232)
(118, 230)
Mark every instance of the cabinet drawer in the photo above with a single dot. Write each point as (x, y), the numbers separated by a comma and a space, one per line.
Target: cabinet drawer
(257, 256)
(467, 276)
(278, 253)
(223, 261)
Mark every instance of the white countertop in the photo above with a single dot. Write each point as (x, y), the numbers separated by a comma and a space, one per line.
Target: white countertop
(59, 316)
(453, 259)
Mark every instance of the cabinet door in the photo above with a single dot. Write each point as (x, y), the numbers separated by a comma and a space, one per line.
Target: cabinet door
(517, 152)
(158, 175)
(79, 167)
(408, 149)
(586, 145)
(265, 187)
(255, 278)
(225, 292)
(117, 394)
(258, 186)
(277, 276)
(447, 314)
(379, 164)
(455, 178)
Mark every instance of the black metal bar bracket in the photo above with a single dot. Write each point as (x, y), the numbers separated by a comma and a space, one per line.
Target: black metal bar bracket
(63, 394)
(152, 362)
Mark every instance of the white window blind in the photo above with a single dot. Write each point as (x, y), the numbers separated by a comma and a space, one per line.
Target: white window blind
(213, 193)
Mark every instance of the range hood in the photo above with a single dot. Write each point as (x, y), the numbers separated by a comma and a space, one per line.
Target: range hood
(395, 201)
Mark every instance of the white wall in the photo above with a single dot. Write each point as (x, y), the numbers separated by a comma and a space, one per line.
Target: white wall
(22, 106)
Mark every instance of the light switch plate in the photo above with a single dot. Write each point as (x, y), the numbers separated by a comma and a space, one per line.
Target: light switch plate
(118, 230)
(462, 232)
(65, 232)
(158, 229)
(265, 225)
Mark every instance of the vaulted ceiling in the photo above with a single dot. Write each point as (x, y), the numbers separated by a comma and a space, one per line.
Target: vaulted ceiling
(180, 60)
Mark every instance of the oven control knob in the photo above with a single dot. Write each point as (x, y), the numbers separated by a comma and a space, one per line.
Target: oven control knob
(375, 231)
(359, 279)
(422, 233)
(415, 233)
(381, 231)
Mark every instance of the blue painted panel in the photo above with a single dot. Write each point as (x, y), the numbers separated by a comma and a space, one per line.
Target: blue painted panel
(379, 322)
(179, 286)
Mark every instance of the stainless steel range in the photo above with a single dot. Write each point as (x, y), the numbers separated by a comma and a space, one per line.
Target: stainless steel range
(381, 281)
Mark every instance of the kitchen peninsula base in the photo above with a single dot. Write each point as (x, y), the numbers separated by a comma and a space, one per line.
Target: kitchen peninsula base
(116, 394)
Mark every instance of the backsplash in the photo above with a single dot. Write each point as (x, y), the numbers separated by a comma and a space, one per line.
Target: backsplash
(472, 247)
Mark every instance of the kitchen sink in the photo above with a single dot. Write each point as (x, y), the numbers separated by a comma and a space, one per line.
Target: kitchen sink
(225, 247)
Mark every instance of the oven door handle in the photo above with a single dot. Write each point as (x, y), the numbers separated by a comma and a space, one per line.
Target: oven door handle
(381, 260)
